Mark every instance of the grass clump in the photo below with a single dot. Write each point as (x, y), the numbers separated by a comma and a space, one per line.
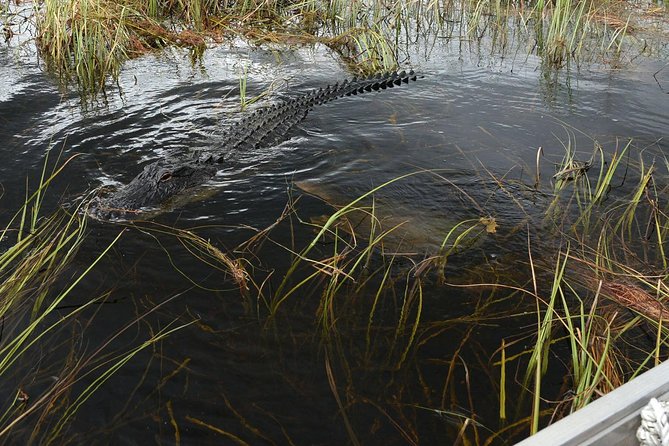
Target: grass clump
(608, 288)
(84, 40)
(88, 40)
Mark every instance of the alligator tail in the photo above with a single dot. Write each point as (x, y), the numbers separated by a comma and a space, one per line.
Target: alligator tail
(269, 125)
(358, 86)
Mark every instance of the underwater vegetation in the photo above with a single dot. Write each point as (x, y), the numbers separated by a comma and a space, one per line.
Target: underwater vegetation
(586, 302)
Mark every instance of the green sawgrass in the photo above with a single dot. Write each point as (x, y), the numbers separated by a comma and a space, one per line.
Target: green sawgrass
(538, 362)
(282, 293)
(32, 298)
(41, 250)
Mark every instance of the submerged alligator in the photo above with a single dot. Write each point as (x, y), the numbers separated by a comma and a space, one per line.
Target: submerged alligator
(162, 181)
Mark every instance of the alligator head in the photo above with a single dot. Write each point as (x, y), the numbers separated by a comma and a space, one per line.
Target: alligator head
(154, 186)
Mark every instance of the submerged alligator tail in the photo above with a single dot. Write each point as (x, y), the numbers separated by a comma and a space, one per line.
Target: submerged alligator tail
(162, 180)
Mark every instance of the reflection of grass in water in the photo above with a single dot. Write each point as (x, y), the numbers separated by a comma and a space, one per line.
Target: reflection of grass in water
(49, 390)
(89, 40)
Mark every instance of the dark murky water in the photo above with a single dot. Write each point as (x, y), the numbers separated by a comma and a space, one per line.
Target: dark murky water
(467, 119)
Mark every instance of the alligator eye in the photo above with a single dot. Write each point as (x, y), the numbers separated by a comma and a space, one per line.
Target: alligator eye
(166, 177)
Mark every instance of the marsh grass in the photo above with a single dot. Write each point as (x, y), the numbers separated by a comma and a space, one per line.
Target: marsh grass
(586, 297)
(600, 299)
(45, 368)
(370, 309)
(204, 251)
(87, 41)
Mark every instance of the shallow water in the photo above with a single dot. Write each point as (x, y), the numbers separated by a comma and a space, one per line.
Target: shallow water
(466, 120)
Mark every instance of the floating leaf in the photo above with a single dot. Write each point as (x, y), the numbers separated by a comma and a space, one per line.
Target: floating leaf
(490, 224)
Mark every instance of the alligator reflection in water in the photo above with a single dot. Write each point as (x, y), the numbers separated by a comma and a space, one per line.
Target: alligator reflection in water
(163, 180)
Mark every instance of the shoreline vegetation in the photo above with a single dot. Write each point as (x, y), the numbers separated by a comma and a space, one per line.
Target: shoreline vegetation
(86, 42)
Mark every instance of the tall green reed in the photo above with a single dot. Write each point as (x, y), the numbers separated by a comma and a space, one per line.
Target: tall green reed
(87, 41)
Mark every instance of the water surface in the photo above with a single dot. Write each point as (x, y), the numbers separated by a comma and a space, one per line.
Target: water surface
(467, 121)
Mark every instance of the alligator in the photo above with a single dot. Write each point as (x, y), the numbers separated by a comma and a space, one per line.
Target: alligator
(161, 181)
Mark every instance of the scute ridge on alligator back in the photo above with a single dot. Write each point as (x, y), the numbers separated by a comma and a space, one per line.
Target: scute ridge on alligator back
(162, 180)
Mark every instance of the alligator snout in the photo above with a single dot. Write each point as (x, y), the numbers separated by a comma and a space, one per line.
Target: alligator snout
(98, 209)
